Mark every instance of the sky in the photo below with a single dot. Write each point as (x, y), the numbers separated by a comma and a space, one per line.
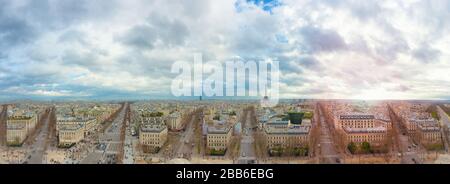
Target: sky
(115, 49)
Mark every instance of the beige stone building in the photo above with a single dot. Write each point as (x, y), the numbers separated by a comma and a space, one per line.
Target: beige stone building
(375, 136)
(152, 136)
(412, 124)
(173, 121)
(297, 136)
(363, 128)
(16, 133)
(30, 122)
(218, 137)
(18, 128)
(87, 125)
(361, 121)
(428, 133)
(70, 134)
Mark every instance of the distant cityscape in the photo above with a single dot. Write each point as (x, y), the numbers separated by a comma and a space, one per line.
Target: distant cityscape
(222, 131)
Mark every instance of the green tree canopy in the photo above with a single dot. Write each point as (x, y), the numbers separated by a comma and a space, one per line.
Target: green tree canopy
(365, 147)
(352, 147)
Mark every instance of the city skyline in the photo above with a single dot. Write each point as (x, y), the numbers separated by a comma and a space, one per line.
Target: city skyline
(225, 132)
(109, 50)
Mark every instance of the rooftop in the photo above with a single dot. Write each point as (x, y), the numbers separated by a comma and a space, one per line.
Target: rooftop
(223, 129)
(429, 126)
(20, 117)
(73, 119)
(365, 130)
(356, 116)
(153, 128)
(70, 127)
(287, 130)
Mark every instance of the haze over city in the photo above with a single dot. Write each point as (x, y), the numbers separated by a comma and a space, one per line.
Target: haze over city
(124, 49)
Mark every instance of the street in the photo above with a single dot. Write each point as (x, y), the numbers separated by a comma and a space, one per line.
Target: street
(328, 153)
(184, 146)
(109, 142)
(445, 124)
(407, 152)
(444, 117)
(39, 145)
(128, 147)
(247, 152)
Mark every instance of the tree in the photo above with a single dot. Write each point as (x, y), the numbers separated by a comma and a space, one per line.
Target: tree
(352, 147)
(308, 115)
(365, 147)
(295, 117)
(302, 151)
(219, 152)
(216, 117)
(276, 151)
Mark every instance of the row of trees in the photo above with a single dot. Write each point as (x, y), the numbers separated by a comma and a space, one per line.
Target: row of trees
(363, 148)
(432, 109)
(219, 152)
(338, 137)
(150, 149)
(152, 114)
(3, 125)
(301, 151)
(445, 109)
(126, 118)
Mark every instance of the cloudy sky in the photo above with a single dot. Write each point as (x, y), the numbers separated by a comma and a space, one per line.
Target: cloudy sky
(92, 49)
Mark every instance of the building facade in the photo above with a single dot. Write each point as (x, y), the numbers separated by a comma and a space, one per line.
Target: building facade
(87, 125)
(70, 134)
(16, 134)
(18, 128)
(153, 136)
(358, 128)
(361, 121)
(218, 137)
(374, 136)
(174, 121)
(30, 122)
(283, 136)
(428, 133)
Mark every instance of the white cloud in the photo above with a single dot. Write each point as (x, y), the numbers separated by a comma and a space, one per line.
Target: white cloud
(328, 49)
